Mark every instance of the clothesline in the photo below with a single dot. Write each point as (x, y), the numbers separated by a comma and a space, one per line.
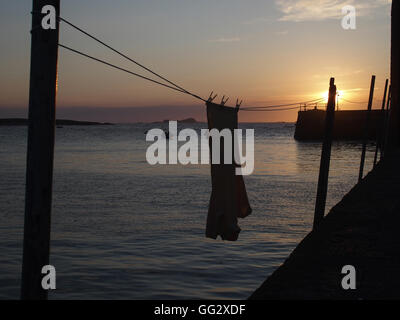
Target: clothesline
(170, 84)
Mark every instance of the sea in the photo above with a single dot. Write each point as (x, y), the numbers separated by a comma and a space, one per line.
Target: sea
(124, 229)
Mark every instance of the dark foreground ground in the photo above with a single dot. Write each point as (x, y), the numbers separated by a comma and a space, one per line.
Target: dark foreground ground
(362, 230)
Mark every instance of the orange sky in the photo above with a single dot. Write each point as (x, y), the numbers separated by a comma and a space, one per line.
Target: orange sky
(264, 52)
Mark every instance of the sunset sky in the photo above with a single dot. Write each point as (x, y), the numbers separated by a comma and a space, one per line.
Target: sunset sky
(262, 51)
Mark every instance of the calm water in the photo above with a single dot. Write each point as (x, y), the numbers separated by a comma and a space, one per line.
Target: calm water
(122, 229)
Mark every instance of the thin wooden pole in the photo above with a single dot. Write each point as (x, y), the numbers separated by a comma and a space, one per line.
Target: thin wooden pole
(325, 156)
(381, 125)
(39, 171)
(394, 119)
(387, 121)
(367, 120)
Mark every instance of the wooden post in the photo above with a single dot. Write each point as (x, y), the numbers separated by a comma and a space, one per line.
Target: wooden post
(387, 121)
(325, 156)
(367, 120)
(394, 121)
(381, 125)
(39, 171)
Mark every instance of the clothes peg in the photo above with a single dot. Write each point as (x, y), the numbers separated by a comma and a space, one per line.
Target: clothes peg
(211, 98)
(224, 101)
(238, 104)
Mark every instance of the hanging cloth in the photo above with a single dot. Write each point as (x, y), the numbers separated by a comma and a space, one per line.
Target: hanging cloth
(228, 197)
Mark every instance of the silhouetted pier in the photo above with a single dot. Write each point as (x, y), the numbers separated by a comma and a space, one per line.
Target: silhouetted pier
(349, 124)
(362, 231)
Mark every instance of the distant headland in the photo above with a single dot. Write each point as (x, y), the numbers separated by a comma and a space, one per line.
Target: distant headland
(187, 120)
(59, 122)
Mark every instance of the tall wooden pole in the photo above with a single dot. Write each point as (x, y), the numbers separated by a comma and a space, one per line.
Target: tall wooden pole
(387, 121)
(325, 156)
(394, 125)
(367, 120)
(39, 171)
(381, 126)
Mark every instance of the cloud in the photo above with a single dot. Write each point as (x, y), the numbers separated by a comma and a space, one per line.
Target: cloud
(317, 10)
(225, 40)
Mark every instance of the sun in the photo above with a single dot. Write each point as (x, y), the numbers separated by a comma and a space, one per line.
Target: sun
(325, 95)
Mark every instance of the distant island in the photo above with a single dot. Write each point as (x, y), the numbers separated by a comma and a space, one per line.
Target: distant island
(188, 120)
(59, 122)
